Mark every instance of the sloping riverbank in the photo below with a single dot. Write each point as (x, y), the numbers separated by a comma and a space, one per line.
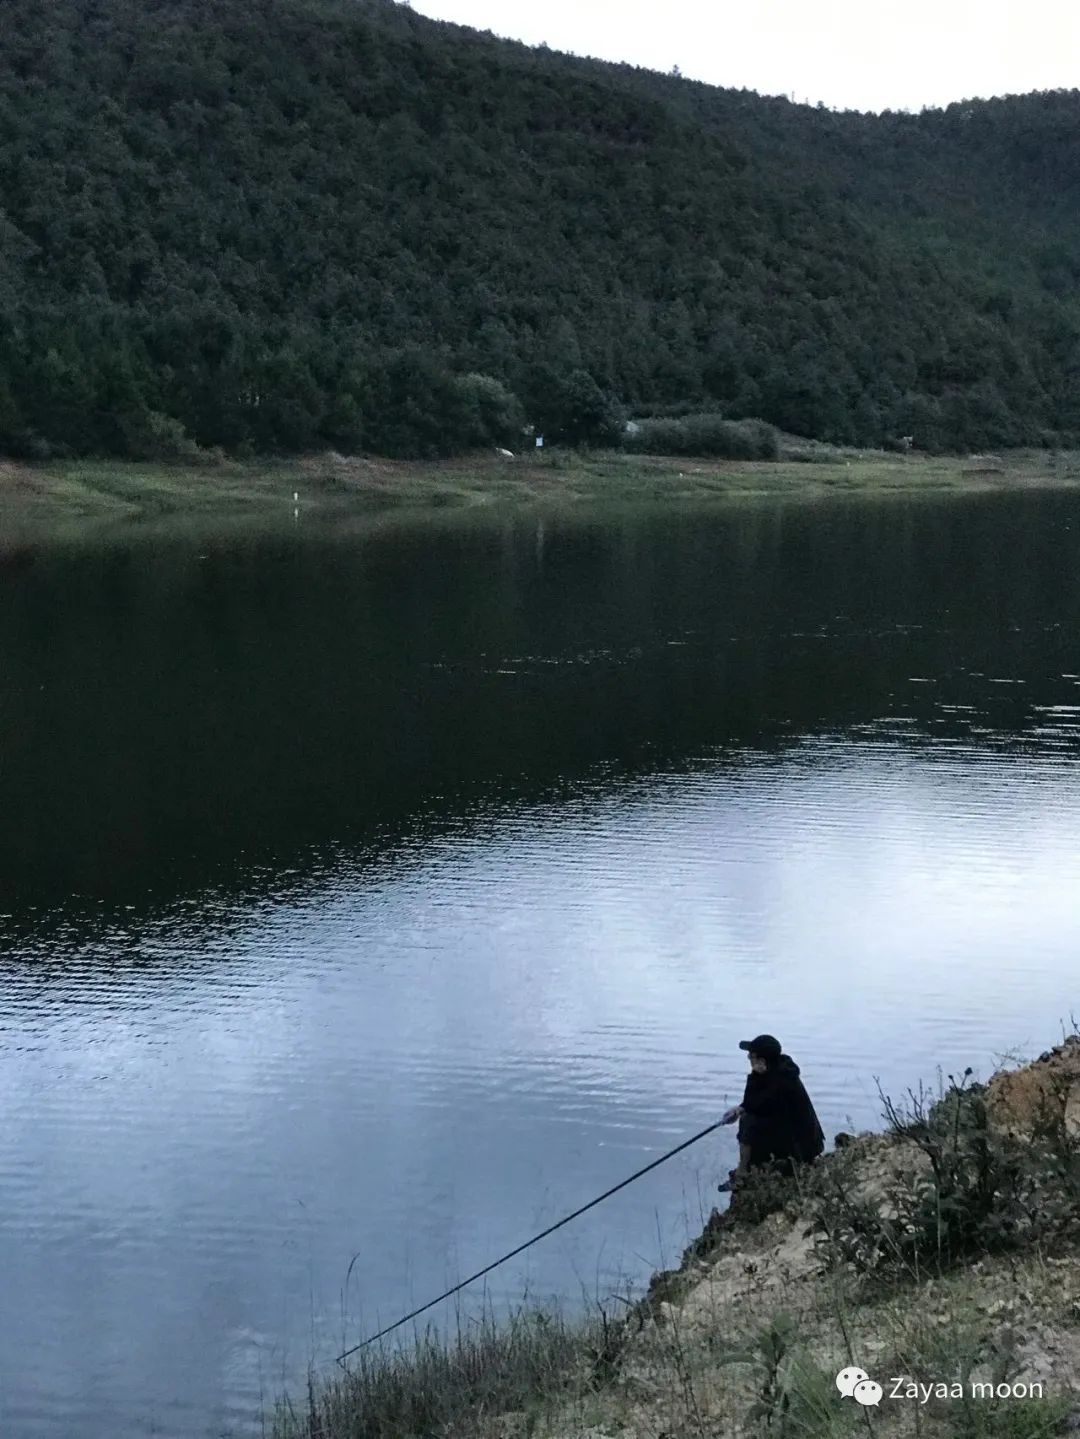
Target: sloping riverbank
(941, 1258)
(84, 492)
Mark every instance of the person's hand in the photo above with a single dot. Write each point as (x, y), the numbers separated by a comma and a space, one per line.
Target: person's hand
(730, 1115)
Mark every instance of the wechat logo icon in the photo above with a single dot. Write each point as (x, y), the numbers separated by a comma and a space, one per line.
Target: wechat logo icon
(856, 1384)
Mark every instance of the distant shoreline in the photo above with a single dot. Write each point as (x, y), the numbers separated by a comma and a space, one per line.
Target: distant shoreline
(70, 493)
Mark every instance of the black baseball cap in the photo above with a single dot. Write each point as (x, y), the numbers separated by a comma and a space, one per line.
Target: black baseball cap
(767, 1045)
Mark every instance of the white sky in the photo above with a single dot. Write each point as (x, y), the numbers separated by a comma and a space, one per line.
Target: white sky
(852, 54)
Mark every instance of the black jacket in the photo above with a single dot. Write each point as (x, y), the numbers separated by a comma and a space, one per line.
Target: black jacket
(778, 1120)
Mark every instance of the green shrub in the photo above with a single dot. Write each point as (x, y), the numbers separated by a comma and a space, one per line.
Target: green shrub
(705, 435)
(794, 1397)
(492, 414)
(409, 405)
(981, 1190)
(150, 435)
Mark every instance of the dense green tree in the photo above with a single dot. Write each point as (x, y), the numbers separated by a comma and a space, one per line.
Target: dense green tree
(305, 223)
(570, 408)
(492, 414)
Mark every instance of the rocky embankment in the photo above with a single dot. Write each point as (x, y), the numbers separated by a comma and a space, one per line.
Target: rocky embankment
(943, 1255)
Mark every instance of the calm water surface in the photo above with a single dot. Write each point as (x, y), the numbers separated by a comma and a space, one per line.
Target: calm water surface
(389, 891)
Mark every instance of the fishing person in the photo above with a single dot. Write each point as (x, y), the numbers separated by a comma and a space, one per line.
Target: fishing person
(778, 1127)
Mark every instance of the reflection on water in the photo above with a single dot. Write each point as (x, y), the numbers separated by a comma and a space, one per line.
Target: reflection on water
(392, 894)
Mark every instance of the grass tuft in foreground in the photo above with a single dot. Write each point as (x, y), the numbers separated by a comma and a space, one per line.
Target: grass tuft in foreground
(439, 1386)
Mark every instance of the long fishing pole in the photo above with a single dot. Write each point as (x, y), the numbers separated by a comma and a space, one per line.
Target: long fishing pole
(534, 1240)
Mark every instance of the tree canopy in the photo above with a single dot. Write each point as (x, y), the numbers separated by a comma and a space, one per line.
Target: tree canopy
(292, 224)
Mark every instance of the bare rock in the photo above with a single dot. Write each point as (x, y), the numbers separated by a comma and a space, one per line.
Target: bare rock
(1046, 1090)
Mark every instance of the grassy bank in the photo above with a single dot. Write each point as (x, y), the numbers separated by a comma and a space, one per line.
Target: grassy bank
(86, 491)
(944, 1252)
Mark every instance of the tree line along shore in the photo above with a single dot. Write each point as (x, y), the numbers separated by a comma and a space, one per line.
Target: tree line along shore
(296, 226)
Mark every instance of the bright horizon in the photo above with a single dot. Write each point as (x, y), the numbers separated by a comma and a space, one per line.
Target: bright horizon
(848, 54)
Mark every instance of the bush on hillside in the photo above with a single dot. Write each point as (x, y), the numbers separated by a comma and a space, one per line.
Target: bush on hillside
(150, 435)
(413, 407)
(978, 1190)
(492, 414)
(705, 435)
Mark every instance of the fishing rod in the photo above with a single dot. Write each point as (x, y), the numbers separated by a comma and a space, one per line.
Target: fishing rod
(529, 1242)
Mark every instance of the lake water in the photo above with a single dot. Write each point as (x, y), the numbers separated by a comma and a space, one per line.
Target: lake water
(390, 889)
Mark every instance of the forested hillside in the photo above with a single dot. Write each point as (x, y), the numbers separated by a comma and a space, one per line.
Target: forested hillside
(291, 224)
